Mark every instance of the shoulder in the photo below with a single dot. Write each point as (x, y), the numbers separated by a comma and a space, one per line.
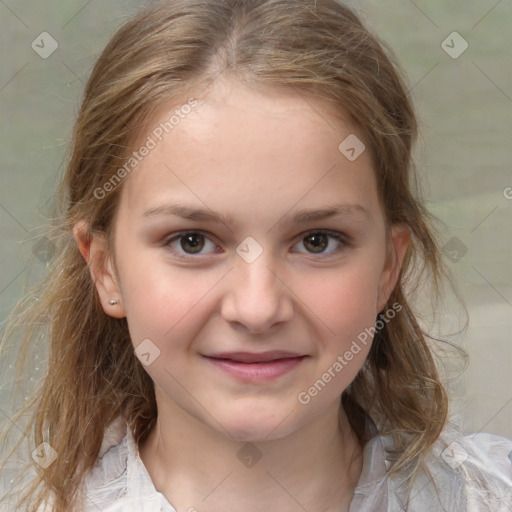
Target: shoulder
(119, 481)
(485, 463)
(471, 473)
(106, 483)
(490, 452)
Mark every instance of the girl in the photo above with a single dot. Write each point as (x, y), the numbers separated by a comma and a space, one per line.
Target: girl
(229, 312)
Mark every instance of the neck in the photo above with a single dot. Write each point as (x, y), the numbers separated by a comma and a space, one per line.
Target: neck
(197, 468)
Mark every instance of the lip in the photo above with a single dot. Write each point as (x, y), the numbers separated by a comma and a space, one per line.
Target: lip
(255, 357)
(261, 371)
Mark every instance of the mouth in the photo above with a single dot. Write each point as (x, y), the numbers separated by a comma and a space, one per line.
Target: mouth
(256, 357)
(256, 367)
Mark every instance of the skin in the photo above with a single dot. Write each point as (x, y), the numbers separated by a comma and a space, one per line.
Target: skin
(260, 156)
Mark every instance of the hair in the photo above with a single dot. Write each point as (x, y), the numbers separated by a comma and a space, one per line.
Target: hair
(315, 48)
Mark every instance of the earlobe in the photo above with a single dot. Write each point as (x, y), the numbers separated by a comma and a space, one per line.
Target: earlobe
(399, 241)
(94, 250)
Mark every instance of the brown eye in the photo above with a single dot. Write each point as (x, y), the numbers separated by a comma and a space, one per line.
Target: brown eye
(324, 243)
(316, 242)
(192, 243)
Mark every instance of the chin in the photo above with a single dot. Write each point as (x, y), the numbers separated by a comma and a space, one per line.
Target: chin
(253, 428)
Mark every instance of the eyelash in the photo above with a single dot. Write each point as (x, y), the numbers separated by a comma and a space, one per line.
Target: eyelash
(339, 237)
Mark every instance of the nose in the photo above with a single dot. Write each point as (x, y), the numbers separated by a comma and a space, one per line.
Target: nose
(257, 297)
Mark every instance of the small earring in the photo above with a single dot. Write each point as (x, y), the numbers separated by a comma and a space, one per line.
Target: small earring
(113, 302)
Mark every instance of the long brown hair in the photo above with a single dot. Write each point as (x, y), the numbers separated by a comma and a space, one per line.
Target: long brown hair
(311, 47)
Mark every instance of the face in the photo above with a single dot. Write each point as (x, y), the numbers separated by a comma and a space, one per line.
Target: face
(245, 235)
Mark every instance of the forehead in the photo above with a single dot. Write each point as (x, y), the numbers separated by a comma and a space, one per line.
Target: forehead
(240, 143)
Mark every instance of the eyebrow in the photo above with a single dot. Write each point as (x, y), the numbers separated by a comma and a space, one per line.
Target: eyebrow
(301, 217)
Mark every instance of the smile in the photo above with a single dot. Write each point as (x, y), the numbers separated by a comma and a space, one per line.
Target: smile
(259, 370)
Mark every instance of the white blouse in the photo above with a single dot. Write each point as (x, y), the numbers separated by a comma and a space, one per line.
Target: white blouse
(473, 474)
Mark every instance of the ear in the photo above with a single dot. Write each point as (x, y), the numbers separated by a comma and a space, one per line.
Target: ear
(93, 248)
(398, 241)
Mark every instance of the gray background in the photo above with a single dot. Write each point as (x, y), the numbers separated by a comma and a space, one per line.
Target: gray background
(465, 107)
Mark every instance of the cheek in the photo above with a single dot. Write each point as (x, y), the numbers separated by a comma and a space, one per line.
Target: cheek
(345, 298)
(345, 303)
(166, 309)
(157, 297)
(161, 300)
